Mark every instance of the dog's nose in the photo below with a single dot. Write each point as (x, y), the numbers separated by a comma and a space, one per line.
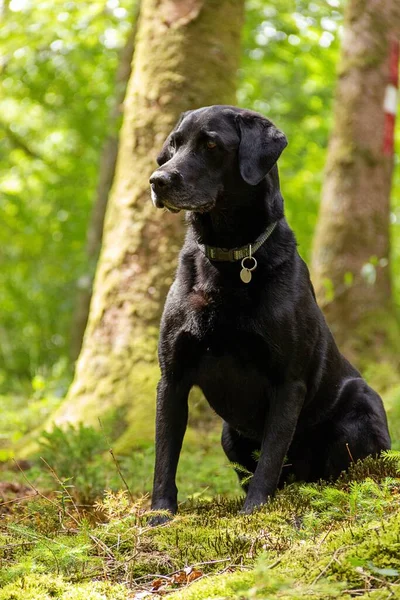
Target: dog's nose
(161, 179)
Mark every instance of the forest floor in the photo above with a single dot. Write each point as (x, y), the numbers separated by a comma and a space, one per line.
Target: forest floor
(62, 537)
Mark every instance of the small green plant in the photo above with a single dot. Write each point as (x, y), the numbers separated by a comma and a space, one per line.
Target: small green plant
(76, 455)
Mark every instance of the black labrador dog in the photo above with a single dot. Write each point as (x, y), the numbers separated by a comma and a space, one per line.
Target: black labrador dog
(241, 320)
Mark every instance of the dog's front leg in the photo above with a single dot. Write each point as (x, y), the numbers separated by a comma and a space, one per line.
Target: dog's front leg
(171, 422)
(278, 433)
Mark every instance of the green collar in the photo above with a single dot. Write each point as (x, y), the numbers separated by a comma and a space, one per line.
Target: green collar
(233, 254)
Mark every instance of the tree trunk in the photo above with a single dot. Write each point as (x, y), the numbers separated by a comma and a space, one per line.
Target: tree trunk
(351, 268)
(183, 59)
(4, 5)
(108, 161)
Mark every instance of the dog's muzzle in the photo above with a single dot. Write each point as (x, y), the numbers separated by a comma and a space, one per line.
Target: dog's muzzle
(161, 182)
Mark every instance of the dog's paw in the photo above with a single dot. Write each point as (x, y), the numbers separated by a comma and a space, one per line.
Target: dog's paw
(160, 519)
(251, 505)
(248, 510)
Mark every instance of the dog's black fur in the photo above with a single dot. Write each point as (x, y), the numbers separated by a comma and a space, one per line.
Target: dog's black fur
(261, 352)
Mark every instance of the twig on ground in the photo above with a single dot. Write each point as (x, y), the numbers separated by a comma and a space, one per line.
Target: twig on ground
(349, 451)
(274, 564)
(65, 489)
(17, 545)
(326, 535)
(200, 564)
(19, 499)
(111, 451)
(38, 493)
(102, 545)
(334, 557)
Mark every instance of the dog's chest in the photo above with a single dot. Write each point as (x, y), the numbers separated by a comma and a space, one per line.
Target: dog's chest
(230, 332)
(234, 363)
(235, 387)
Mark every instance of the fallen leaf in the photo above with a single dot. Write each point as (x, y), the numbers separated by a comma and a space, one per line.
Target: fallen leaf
(194, 574)
(179, 577)
(156, 584)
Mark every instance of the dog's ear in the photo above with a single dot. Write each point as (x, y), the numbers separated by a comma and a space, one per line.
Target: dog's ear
(164, 155)
(261, 144)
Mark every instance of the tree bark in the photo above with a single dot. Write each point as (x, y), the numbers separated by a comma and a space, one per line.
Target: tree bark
(351, 256)
(4, 5)
(108, 161)
(183, 59)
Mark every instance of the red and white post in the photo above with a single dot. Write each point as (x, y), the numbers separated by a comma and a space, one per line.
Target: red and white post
(390, 101)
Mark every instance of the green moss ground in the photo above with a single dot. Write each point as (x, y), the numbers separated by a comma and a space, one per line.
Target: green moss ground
(310, 542)
(314, 542)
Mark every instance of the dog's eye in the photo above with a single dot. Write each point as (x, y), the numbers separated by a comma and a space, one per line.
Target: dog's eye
(211, 145)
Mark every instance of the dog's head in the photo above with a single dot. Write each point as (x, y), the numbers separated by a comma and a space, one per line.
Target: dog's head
(209, 149)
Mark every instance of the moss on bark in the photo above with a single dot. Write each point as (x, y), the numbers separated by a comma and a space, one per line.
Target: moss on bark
(183, 59)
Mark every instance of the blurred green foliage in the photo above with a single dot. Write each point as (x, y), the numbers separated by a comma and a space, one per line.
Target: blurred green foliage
(24, 408)
(56, 87)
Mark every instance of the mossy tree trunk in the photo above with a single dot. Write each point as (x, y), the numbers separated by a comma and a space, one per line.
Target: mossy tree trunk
(108, 161)
(184, 58)
(351, 258)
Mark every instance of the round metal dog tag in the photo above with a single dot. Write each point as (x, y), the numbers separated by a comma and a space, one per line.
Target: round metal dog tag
(245, 275)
